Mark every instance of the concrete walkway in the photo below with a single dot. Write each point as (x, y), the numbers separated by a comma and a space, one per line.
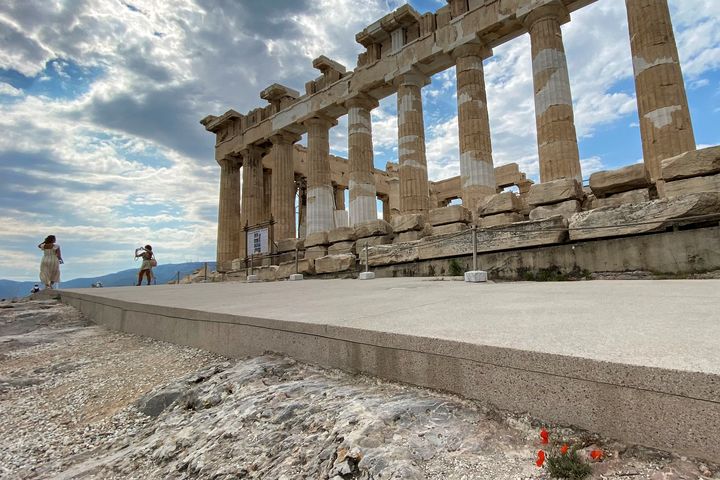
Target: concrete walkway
(608, 345)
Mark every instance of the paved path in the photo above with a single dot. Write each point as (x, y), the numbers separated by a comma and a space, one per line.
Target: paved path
(672, 324)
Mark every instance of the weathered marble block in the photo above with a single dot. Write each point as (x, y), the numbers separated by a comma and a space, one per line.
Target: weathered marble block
(373, 228)
(315, 252)
(567, 209)
(315, 239)
(692, 185)
(692, 164)
(623, 179)
(334, 263)
(523, 234)
(554, 192)
(266, 274)
(655, 215)
(408, 222)
(342, 234)
(450, 214)
(341, 248)
(305, 266)
(372, 241)
(632, 196)
(410, 236)
(500, 219)
(391, 254)
(504, 202)
(289, 244)
(449, 228)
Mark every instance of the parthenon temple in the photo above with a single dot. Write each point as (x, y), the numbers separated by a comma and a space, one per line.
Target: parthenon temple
(402, 50)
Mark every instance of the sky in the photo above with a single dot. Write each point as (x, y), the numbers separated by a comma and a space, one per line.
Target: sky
(100, 101)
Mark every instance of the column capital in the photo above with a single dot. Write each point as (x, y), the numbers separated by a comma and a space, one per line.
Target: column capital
(362, 100)
(251, 151)
(230, 161)
(320, 120)
(553, 9)
(472, 50)
(283, 137)
(413, 78)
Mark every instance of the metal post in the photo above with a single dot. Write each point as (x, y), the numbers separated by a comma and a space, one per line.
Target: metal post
(206, 271)
(296, 259)
(474, 246)
(178, 278)
(367, 264)
(251, 262)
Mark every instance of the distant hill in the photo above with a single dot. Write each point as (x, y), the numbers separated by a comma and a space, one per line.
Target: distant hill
(163, 274)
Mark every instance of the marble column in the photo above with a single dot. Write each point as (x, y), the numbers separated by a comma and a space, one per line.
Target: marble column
(387, 215)
(267, 194)
(360, 154)
(282, 203)
(414, 188)
(665, 125)
(228, 236)
(302, 206)
(477, 174)
(253, 196)
(320, 198)
(554, 117)
(339, 193)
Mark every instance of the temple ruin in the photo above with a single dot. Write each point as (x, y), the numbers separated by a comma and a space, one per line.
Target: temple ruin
(677, 186)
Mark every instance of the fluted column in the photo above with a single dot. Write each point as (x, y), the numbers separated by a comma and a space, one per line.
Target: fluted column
(360, 153)
(302, 206)
(411, 144)
(554, 117)
(253, 196)
(283, 185)
(228, 236)
(320, 198)
(477, 174)
(665, 125)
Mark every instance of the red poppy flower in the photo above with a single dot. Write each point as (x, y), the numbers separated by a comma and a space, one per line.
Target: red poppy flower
(564, 449)
(596, 454)
(544, 435)
(540, 459)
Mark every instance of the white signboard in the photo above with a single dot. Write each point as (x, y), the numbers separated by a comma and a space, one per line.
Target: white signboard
(258, 241)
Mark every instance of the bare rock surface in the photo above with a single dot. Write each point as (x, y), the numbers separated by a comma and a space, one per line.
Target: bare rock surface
(110, 406)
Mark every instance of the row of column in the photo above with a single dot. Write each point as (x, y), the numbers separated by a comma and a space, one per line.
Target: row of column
(666, 131)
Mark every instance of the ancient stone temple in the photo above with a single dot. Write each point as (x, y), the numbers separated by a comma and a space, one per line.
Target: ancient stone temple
(402, 51)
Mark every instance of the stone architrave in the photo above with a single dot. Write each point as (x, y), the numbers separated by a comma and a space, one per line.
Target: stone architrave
(283, 185)
(253, 196)
(414, 188)
(320, 195)
(477, 174)
(228, 236)
(556, 137)
(665, 125)
(363, 202)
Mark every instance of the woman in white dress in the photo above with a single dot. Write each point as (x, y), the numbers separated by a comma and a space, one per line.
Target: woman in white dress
(50, 264)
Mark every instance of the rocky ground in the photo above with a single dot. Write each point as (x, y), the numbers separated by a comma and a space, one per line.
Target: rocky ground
(79, 401)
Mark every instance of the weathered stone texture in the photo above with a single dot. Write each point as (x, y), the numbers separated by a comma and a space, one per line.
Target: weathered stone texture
(371, 242)
(289, 244)
(500, 219)
(414, 190)
(305, 266)
(341, 248)
(554, 192)
(449, 228)
(228, 237)
(501, 203)
(410, 221)
(315, 252)
(320, 195)
(283, 186)
(334, 263)
(523, 234)
(266, 274)
(342, 234)
(566, 209)
(316, 238)
(633, 196)
(373, 228)
(692, 164)
(623, 179)
(450, 214)
(635, 218)
(360, 154)
(692, 185)
(411, 235)
(391, 254)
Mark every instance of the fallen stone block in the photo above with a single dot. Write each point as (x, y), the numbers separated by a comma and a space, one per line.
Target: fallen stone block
(315, 239)
(391, 254)
(305, 266)
(341, 248)
(266, 274)
(450, 214)
(567, 209)
(408, 222)
(372, 241)
(289, 244)
(623, 179)
(334, 263)
(636, 218)
(519, 235)
(692, 164)
(500, 219)
(632, 196)
(692, 185)
(504, 202)
(449, 228)
(554, 192)
(410, 236)
(373, 228)
(315, 252)
(342, 234)
(284, 257)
